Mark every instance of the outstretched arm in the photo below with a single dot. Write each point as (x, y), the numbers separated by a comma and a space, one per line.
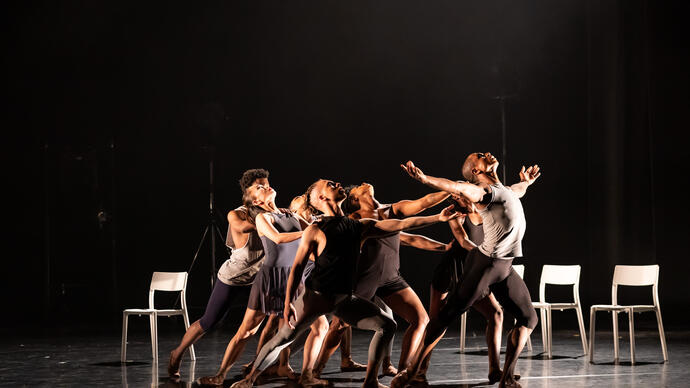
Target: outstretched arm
(473, 192)
(527, 177)
(422, 242)
(408, 208)
(460, 234)
(311, 239)
(266, 228)
(376, 229)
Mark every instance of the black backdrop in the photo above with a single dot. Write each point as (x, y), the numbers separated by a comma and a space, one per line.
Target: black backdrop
(115, 109)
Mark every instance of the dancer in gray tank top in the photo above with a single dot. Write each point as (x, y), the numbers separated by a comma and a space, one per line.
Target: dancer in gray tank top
(488, 268)
(245, 260)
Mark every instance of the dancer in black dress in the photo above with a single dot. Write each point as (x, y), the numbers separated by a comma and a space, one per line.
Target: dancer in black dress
(336, 241)
(378, 269)
(489, 267)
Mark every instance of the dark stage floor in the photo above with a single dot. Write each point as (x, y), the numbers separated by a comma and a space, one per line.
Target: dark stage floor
(94, 360)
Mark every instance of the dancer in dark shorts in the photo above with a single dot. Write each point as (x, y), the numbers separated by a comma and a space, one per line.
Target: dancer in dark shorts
(239, 270)
(378, 268)
(489, 267)
(280, 234)
(336, 241)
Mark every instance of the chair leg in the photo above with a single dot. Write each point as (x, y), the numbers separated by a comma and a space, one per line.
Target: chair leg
(544, 333)
(592, 325)
(583, 333)
(549, 331)
(123, 348)
(614, 314)
(153, 319)
(631, 324)
(463, 331)
(192, 355)
(662, 335)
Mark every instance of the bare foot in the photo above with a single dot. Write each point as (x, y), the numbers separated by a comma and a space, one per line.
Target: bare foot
(389, 370)
(373, 384)
(400, 380)
(496, 374)
(307, 379)
(286, 371)
(350, 365)
(216, 380)
(420, 379)
(174, 366)
(244, 383)
(509, 384)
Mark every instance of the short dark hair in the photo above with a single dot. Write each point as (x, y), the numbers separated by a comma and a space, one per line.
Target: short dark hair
(249, 176)
(348, 205)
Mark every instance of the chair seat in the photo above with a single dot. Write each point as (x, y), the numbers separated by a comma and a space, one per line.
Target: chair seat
(164, 313)
(611, 307)
(554, 306)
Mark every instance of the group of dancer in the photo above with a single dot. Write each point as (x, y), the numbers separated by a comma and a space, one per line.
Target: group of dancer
(334, 256)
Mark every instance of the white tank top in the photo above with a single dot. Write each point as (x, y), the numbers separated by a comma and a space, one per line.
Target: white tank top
(244, 262)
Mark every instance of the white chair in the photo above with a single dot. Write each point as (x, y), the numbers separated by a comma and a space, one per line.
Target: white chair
(559, 275)
(161, 281)
(630, 275)
(520, 269)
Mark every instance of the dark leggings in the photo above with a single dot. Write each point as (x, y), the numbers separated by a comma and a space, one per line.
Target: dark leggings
(483, 274)
(218, 304)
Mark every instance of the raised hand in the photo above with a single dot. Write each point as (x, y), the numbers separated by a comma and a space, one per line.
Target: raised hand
(448, 214)
(529, 174)
(413, 171)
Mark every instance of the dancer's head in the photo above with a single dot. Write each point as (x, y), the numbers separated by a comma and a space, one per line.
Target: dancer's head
(359, 197)
(253, 176)
(299, 206)
(259, 198)
(478, 164)
(325, 194)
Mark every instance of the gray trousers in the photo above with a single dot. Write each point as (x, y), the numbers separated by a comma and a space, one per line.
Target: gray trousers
(355, 311)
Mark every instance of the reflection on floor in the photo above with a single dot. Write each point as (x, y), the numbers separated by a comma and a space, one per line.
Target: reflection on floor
(94, 360)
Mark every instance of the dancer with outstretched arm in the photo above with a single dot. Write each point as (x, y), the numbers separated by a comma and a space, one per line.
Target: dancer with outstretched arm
(488, 267)
(336, 241)
(378, 269)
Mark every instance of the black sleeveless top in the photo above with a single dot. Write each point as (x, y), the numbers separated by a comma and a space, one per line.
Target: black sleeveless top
(474, 232)
(381, 255)
(335, 267)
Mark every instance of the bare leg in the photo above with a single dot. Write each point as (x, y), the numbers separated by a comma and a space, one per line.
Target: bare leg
(192, 335)
(436, 301)
(269, 330)
(330, 344)
(493, 313)
(347, 364)
(312, 347)
(250, 325)
(517, 338)
(284, 368)
(407, 304)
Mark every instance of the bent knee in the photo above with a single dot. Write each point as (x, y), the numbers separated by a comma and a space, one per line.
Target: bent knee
(530, 321)
(495, 319)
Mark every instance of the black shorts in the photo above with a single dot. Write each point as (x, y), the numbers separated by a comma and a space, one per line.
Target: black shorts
(449, 270)
(391, 286)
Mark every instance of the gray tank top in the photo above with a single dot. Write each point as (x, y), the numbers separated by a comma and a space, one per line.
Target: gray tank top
(504, 224)
(244, 262)
(474, 232)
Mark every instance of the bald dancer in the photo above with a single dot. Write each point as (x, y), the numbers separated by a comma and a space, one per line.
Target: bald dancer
(489, 266)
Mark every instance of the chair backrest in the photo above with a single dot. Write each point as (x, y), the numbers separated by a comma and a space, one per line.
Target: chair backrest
(520, 269)
(560, 275)
(168, 281)
(635, 275)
